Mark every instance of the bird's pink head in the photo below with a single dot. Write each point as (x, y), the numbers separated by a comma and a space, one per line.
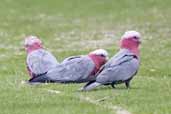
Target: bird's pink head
(99, 57)
(131, 41)
(32, 43)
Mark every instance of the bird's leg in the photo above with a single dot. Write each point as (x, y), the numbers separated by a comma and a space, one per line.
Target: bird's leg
(127, 83)
(113, 84)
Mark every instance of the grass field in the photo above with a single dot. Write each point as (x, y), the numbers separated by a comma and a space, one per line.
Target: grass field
(71, 27)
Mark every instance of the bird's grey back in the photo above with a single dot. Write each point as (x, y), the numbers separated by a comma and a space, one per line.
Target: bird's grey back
(120, 57)
(120, 67)
(72, 70)
(40, 61)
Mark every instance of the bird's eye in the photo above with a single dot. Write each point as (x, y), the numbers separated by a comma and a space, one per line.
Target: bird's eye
(135, 37)
(26, 45)
(102, 55)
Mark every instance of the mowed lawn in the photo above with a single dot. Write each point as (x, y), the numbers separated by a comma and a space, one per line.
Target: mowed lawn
(73, 27)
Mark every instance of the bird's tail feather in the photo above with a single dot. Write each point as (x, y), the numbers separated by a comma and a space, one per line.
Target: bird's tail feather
(91, 86)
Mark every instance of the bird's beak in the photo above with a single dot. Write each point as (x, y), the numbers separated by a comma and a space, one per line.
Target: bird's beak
(107, 58)
(139, 41)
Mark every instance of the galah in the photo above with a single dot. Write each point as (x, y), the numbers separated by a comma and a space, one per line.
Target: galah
(38, 61)
(121, 67)
(76, 69)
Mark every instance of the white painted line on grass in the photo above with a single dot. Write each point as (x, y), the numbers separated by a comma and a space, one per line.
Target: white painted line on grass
(53, 91)
(117, 109)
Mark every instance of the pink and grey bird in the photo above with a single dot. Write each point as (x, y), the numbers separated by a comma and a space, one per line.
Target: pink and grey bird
(38, 61)
(121, 67)
(76, 69)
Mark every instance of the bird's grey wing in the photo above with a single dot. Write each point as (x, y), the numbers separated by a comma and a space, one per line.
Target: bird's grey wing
(118, 72)
(71, 58)
(71, 71)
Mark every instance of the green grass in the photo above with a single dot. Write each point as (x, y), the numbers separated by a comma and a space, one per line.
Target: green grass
(71, 27)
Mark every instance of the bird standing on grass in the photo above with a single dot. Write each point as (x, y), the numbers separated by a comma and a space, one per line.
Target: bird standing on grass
(123, 66)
